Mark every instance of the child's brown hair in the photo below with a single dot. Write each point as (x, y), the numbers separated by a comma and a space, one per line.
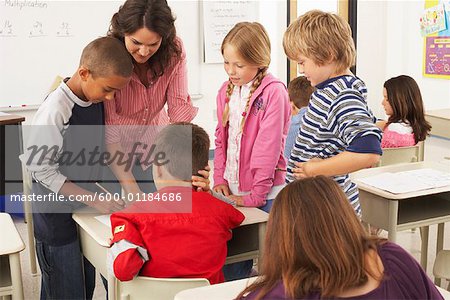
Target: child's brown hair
(300, 90)
(314, 242)
(106, 56)
(186, 149)
(403, 94)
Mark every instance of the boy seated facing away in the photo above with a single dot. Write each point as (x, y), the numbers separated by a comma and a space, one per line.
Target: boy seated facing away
(300, 90)
(156, 238)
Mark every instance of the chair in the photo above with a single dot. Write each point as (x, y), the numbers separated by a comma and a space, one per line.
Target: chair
(399, 155)
(11, 245)
(151, 288)
(441, 267)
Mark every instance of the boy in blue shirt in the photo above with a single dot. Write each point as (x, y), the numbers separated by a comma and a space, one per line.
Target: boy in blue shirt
(62, 155)
(338, 134)
(300, 91)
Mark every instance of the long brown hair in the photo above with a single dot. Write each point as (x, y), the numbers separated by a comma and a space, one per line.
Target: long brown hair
(156, 16)
(314, 242)
(252, 43)
(403, 94)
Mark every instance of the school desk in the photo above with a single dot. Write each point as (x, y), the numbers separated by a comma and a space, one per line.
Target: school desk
(12, 142)
(11, 245)
(440, 122)
(95, 237)
(229, 290)
(397, 212)
(222, 291)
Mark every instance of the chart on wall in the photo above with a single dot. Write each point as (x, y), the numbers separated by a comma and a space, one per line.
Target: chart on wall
(435, 28)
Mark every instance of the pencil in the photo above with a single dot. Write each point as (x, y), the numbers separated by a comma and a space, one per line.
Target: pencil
(102, 188)
(280, 169)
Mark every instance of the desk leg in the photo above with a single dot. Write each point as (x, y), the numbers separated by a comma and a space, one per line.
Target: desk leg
(424, 233)
(16, 276)
(439, 246)
(392, 221)
(26, 180)
(261, 239)
(111, 287)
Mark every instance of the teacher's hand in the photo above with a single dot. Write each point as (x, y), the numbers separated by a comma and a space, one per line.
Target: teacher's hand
(202, 182)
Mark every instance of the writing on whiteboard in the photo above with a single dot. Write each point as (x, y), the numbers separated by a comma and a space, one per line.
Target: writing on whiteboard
(25, 4)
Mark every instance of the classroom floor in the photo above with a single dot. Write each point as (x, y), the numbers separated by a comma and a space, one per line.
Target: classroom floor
(435, 150)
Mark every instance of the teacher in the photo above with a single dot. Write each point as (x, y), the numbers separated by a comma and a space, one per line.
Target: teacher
(159, 80)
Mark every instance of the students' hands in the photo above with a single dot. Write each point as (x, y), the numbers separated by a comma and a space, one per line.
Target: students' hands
(239, 200)
(305, 169)
(202, 182)
(107, 207)
(222, 189)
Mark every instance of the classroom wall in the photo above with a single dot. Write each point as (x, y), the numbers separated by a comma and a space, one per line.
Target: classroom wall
(273, 16)
(390, 44)
(207, 79)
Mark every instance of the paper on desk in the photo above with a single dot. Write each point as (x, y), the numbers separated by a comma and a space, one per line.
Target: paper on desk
(2, 114)
(104, 219)
(408, 181)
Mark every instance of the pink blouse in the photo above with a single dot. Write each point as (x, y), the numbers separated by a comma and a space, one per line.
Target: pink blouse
(137, 111)
(397, 135)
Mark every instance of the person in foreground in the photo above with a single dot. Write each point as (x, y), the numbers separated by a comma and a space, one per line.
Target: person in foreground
(178, 232)
(317, 248)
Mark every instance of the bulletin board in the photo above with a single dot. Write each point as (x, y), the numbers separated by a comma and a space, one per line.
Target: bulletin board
(435, 27)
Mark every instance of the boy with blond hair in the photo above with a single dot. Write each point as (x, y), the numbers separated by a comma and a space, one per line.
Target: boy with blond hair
(299, 90)
(338, 135)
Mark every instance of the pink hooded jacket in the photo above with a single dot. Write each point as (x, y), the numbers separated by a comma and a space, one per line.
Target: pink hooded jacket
(262, 144)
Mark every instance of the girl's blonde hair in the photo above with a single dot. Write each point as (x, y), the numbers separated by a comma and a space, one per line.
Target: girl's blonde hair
(252, 42)
(322, 37)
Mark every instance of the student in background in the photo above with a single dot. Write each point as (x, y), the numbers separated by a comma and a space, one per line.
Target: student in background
(328, 255)
(105, 67)
(338, 134)
(149, 242)
(300, 91)
(253, 113)
(406, 124)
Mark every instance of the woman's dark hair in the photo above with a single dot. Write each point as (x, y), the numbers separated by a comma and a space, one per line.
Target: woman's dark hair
(156, 16)
(403, 94)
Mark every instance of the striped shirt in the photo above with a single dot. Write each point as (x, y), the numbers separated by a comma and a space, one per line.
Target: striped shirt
(136, 107)
(337, 114)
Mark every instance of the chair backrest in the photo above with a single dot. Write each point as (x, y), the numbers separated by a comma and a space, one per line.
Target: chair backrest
(150, 288)
(441, 268)
(400, 155)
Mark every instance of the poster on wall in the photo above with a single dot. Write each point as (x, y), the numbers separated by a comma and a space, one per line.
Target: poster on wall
(433, 20)
(437, 57)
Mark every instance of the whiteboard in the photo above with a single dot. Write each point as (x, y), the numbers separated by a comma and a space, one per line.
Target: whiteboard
(40, 40)
(218, 19)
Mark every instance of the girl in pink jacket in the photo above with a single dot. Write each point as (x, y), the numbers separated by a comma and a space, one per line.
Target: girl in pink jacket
(254, 114)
